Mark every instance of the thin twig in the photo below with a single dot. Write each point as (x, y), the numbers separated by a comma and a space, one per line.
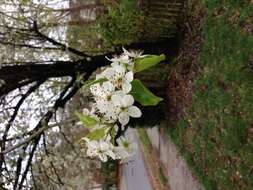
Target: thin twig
(38, 132)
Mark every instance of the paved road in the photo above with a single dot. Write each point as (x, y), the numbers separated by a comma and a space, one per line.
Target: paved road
(134, 173)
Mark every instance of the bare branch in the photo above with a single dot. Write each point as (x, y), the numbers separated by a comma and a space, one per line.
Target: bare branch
(56, 43)
(18, 167)
(29, 162)
(34, 134)
(8, 126)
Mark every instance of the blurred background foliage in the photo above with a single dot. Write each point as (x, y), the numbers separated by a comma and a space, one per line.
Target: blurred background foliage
(121, 23)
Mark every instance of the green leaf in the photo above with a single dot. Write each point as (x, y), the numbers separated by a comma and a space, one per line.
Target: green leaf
(87, 121)
(142, 95)
(113, 134)
(89, 83)
(97, 134)
(147, 62)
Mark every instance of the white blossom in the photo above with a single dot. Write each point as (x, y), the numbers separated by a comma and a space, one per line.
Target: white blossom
(101, 149)
(126, 82)
(124, 58)
(125, 102)
(133, 54)
(103, 91)
(108, 110)
(125, 149)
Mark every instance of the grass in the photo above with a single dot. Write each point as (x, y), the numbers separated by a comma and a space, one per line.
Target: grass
(145, 140)
(162, 178)
(216, 136)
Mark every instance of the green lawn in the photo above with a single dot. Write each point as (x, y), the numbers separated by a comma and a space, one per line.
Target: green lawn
(216, 136)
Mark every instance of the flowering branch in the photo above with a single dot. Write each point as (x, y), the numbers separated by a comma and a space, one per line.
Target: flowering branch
(114, 92)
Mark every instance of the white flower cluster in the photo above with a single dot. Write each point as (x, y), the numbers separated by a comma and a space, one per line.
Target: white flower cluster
(112, 108)
(104, 149)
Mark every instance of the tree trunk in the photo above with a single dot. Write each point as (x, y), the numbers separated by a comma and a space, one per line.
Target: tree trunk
(15, 76)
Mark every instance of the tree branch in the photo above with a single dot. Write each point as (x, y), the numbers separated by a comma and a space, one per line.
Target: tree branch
(29, 162)
(19, 167)
(34, 134)
(56, 43)
(8, 126)
(15, 76)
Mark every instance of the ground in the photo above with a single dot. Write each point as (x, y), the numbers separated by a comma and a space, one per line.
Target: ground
(210, 93)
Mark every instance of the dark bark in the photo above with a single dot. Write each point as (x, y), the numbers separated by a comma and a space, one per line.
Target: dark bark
(15, 76)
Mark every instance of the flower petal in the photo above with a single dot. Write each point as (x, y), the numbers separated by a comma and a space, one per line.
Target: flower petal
(126, 87)
(109, 73)
(127, 100)
(95, 89)
(124, 59)
(129, 76)
(134, 111)
(123, 118)
(108, 86)
(125, 51)
(116, 99)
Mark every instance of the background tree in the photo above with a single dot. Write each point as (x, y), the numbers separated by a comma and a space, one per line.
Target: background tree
(43, 66)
